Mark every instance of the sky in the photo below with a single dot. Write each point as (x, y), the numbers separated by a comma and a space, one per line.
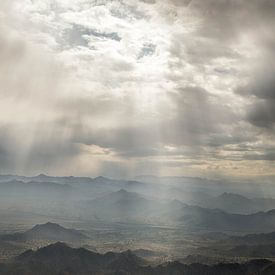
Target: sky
(124, 88)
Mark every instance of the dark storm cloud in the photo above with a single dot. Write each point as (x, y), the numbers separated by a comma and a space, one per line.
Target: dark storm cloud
(262, 86)
(261, 92)
(226, 21)
(262, 114)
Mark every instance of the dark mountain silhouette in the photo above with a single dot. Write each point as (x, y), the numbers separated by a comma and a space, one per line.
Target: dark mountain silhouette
(252, 251)
(61, 259)
(48, 231)
(250, 246)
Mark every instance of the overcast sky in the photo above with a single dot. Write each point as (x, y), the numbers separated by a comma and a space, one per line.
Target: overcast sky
(123, 88)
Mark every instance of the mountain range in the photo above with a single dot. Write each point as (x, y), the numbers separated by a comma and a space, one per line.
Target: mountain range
(237, 204)
(59, 259)
(106, 200)
(129, 206)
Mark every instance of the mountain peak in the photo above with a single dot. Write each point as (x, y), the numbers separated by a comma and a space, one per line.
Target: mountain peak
(58, 246)
(41, 176)
(124, 194)
(48, 225)
(54, 232)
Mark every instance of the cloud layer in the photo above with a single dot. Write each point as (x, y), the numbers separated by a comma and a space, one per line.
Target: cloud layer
(137, 87)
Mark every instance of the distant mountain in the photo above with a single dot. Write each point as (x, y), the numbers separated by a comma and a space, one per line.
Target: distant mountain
(50, 232)
(103, 180)
(44, 178)
(121, 206)
(70, 180)
(213, 187)
(108, 200)
(197, 218)
(238, 204)
(59, 259)
(222, 221)
(104, 185)
(21, 188)
(124, 206)
(233, 203)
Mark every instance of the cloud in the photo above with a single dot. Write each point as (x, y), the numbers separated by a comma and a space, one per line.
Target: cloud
(109, 86)
(260, 92)
(189, 118)
(267, 157)
(262, 114)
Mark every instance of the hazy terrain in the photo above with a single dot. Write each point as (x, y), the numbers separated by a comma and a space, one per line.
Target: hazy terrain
(159, 220)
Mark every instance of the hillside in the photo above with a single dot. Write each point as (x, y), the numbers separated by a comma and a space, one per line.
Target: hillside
(61, 259)
(48, 231)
